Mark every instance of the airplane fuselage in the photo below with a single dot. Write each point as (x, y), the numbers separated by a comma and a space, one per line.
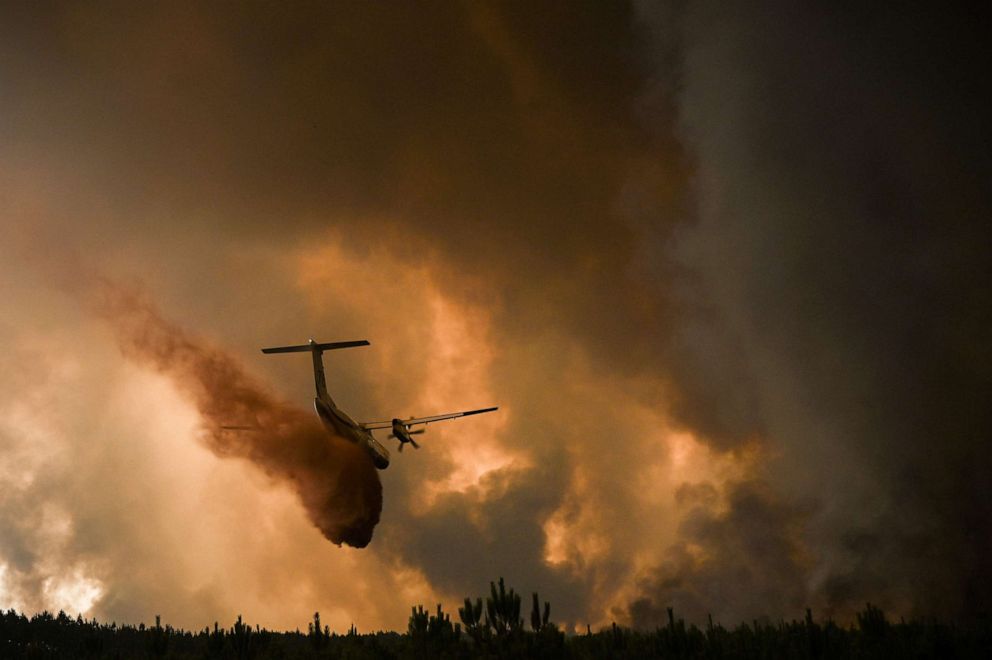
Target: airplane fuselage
(337, 421)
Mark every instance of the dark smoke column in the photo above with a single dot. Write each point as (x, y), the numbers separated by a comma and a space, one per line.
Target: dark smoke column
(842, 177)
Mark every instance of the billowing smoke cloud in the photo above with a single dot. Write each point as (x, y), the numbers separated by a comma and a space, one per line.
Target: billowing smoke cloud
(334, 478)
(735, 222)
(842, 193)
(736, 560)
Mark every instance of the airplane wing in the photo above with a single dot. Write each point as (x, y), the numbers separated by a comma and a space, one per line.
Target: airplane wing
(413, 421)
(371, 426)
(437, 418)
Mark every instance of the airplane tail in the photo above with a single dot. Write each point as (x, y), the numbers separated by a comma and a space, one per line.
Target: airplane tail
(316, 350)
(314, 346)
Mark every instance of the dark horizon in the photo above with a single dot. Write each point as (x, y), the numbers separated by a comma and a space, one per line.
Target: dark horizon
(500, 629)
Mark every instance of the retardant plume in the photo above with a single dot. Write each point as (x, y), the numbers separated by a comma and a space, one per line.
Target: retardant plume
(336, 482)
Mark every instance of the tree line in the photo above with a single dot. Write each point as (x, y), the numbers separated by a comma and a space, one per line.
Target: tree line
(494, 627)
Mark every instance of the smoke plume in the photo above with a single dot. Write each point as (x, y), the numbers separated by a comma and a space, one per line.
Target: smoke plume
(689, 227)
(334, 479)
(841, 181)
(752, 543)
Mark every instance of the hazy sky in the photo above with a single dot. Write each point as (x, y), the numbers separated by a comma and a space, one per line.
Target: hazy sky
(723, 266)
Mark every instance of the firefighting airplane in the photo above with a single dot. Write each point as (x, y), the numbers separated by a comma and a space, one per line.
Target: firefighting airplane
(337, 421)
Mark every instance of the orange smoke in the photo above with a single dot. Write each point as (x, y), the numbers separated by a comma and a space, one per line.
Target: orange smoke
(334, 479)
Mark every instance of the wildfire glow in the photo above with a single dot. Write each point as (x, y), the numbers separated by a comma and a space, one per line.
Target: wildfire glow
(74, 593)
(450, 347)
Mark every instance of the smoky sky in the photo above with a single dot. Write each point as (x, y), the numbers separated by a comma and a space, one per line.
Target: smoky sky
(722, 265)
(843, 192)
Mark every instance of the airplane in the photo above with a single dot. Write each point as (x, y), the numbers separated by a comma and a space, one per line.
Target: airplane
(337, 421)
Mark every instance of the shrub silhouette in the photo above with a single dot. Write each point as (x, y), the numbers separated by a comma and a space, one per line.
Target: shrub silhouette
(503, 610)
(318, 638)
(243, 640)
(158, 640)
(537, 622)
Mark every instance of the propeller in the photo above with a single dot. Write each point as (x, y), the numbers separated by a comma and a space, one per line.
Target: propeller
(412, 442)
(409, 432)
